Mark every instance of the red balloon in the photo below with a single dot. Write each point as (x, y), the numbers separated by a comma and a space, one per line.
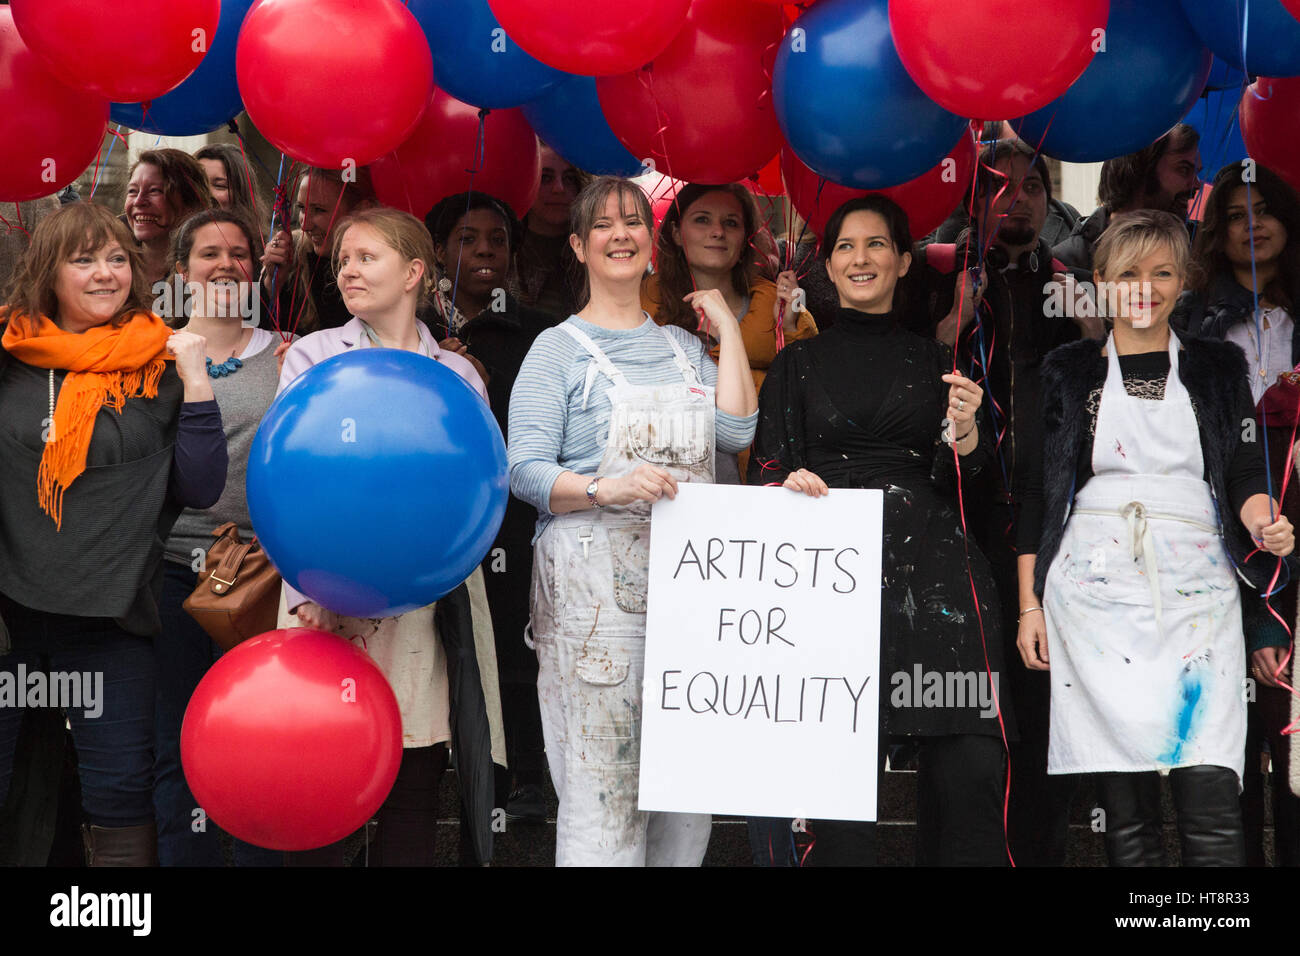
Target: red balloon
(992, 61)
(126, 52)
(432, 164)
(928, 199)
(704, 112)
(592, 39)
(51, 132)
(768, 181)
(1293, 6)
(662, 190)
(292, 740)
(1270, 125)
(333, 83)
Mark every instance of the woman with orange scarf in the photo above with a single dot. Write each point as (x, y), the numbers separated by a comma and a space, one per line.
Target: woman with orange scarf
(108, 428)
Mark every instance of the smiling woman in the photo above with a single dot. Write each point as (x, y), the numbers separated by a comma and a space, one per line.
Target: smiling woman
(165, 186)
(868, 404)
(588, 415)
(108, 428)
(1141, 500)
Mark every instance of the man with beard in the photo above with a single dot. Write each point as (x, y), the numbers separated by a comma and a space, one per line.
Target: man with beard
(1164, 176)
(1015, 304)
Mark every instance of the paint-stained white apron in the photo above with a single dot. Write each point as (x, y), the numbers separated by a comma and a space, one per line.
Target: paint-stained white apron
(588, 623)
(1143, 614)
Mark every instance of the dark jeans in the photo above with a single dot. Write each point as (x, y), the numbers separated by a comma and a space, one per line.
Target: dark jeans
(184, 653)
(114, 737)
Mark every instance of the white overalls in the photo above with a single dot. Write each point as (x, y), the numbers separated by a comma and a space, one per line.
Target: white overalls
(588, 623)
(1143, 613)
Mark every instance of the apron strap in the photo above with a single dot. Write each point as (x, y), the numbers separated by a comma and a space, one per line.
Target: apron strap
(600, 361)
(689, 372)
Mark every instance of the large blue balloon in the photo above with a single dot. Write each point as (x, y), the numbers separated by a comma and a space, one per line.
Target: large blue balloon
(473, 58)
(209, 97)
(1272, 34)
(846, 105)
(377, 482)
(1214, 116)
(568, 118)
(1152, 71)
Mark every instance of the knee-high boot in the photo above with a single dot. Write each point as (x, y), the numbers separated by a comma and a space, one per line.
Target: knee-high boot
(1131, 802)
(1209, 816)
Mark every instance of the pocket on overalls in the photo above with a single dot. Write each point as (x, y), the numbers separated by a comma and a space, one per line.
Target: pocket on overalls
(630, 551)
(610, 718)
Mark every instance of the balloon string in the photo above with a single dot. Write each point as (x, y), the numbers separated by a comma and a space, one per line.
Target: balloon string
(762, 228)
(479, 150)
(113, 138)
(970, 574)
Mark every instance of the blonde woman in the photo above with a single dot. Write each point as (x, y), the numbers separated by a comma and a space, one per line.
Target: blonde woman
(1148, 493)
(383, 260)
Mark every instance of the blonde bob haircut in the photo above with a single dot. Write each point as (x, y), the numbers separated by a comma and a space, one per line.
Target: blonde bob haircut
(1133, 236)
(401, 232)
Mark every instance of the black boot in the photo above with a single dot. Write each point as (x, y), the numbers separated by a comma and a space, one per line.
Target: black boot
(1131, 802)
(1209, 816)
(120, 846)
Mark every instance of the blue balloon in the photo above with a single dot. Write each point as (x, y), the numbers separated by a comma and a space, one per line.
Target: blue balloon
(209, 97)
(377, 482)
(568, 118)
(846, 105)
(1214, 116)
(1225, 76)
(1272, 34)
(473, 58)
(1153, 69)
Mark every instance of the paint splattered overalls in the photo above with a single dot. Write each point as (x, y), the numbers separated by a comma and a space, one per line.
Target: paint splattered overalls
(1143, 614)
(588, 623)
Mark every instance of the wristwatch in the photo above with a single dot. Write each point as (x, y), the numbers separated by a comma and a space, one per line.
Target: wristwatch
(591, 492)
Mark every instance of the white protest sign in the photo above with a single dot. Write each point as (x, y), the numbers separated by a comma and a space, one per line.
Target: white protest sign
(762, 661)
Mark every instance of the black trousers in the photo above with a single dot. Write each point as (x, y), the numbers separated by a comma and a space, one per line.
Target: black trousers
(960, 790)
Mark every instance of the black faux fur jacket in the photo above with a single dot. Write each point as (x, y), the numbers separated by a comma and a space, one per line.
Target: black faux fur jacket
(1214, 374)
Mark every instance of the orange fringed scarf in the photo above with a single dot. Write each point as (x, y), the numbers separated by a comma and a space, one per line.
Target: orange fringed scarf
(105, 365)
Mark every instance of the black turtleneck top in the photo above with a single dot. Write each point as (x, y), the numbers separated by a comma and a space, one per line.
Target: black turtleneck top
(864, 402)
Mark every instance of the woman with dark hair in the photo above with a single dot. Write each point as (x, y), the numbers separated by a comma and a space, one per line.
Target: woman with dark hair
(1248, 250)
(868, 404)
(232, 181)
(1143, 497)
(474, 235)
(165, 186)
(709, 239)
(609, 413)
(103, 441)
(214, 252)
(296, 266)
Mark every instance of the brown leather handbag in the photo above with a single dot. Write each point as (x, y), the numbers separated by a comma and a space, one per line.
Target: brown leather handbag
(238, 594)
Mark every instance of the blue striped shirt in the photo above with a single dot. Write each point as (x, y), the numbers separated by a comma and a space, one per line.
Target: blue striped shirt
(550, 431)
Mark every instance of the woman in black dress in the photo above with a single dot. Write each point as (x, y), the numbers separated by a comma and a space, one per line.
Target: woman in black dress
(869, 405)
